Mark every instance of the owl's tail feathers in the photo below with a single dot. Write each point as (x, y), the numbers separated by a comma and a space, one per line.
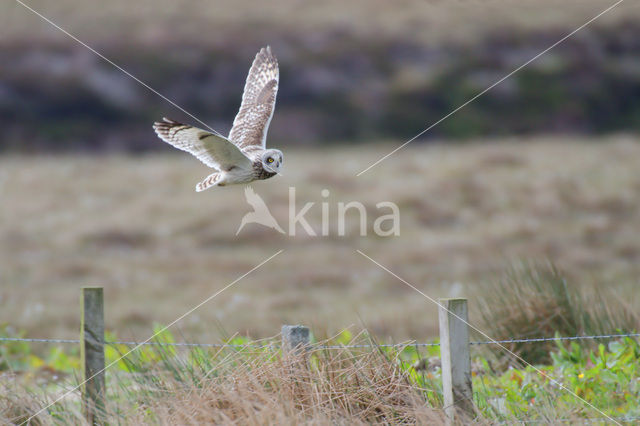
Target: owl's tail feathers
(212, 180)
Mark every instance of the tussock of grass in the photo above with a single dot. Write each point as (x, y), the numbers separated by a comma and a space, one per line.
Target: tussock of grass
(536, 301)
(16, 406)
(19, 403)
(332, 387)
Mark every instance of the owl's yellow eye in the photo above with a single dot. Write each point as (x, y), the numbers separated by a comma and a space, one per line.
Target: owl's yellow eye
(270, 160)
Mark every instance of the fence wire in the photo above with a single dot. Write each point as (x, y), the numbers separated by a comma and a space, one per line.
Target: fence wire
(591, 420)
(126, 343)
(549, 339)
(321, 346)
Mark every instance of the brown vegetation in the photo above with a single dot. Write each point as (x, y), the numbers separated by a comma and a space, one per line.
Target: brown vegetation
(327, 387)
(339, 389)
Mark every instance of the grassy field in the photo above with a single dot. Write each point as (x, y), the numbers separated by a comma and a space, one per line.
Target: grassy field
(380, 385)
(136, 227)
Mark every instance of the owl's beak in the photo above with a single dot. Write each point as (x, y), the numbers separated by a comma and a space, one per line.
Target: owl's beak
(271, 168)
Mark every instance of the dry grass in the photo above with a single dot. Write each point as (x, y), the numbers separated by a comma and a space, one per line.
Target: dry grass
(336, 387)
(21, 404)
(339, 388)
(16, 404)
(136, 227)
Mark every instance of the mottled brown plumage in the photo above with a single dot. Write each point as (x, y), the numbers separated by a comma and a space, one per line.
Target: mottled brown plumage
(258, 102)
(242, 157)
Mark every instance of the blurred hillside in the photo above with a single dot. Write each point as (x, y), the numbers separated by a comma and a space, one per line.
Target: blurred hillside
(348, 72)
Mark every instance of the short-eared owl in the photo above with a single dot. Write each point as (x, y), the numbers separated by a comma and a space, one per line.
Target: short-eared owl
(243, 157)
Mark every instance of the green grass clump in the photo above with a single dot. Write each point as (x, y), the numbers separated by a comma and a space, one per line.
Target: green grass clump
(536, 301)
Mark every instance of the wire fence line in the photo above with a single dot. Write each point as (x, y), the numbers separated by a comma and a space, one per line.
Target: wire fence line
(549, 339)
(127, 343)
(321, 346)
(590, 420)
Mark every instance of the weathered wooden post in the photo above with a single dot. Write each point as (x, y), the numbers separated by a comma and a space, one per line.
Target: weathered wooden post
(456, 361)
(295, 339)
(92, 354)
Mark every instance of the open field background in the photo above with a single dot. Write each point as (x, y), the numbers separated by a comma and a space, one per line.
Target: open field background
(357, 72)
(135, 226)
(434, 22)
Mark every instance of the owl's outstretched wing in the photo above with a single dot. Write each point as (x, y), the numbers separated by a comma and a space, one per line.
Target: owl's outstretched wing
(258, 102)
(214, 151)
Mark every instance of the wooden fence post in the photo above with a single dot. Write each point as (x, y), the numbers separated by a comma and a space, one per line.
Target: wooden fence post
(456, 361)
(295, 339)
(92, 354)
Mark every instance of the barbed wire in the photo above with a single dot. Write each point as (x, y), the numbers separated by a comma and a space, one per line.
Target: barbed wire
(127, 343)
(549, 339)
(487, 342)
(209, 345)
(369, 345)
(21, 339)
(590, 420)
(321, 346)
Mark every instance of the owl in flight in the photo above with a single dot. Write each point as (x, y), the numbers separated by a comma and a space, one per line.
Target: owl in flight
(243, 156)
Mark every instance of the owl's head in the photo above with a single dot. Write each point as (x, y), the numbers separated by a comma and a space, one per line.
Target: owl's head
(272, 160)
